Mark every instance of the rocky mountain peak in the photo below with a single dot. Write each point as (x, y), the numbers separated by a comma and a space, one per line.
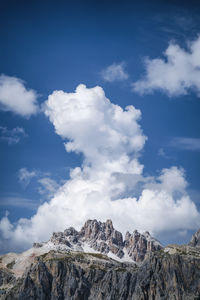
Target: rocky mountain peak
(94, 230)
(91, 229)
(195, 240)
(43, 272)
(139, 245)
(70, 231)
(102, 237)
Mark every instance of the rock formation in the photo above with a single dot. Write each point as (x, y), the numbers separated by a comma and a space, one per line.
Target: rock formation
(195, 240)
(145, 271)
(104, 238)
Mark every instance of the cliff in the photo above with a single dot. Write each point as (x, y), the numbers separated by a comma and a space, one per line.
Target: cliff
(166, 273)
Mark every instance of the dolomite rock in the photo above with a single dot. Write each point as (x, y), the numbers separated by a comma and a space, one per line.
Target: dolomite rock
(53, 270)
(195, 240)
(81, 276)
(104, 238)
(138, 245)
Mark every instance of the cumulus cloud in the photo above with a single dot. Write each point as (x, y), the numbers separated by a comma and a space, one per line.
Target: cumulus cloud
(15, 97)
(25, 176)
(171, 180)
(175, 74)
(106, 184)
(105, 133)
(115, 72)
(186, 143)
(12, 136)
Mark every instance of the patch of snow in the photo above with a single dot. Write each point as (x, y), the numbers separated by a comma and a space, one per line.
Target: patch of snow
(24, 259)
(113, 256)
(126, 257)
(86, 248)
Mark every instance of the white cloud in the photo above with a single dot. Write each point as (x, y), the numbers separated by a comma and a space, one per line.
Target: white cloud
(25, 176)
(12, 136)
(115, 72)
(48, 186)
(105, 186)
(15, 97)
(105, 133)
(6, 227)
(161, 152)
(171, 180)
(186, 143)
(176, 74)
(18, 201)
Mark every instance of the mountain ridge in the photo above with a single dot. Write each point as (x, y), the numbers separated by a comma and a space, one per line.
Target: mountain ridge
(102, 237)
(88, 264)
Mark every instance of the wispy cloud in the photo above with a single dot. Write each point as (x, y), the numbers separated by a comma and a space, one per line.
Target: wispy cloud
(15, 97)
(12, 136)
(186, 143)
(25, 176)
(17, 201)
(176, 74)
(161, 152)
(115, 72)
(48, 186)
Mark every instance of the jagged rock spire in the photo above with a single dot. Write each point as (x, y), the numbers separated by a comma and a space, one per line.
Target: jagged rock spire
(195, 240)
(104, 238)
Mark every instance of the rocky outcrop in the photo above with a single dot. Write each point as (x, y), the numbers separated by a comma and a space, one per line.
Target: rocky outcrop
(81, 276)
(139, 245)
(57, 270)
(195, 240)
(104, 238)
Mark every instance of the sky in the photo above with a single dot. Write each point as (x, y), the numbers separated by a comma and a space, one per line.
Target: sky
(99, 118)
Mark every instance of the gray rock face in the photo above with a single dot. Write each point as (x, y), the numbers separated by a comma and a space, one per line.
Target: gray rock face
(93, 230)
(80, 276)
(195, 240)
(170, 273)
(139, 245)
(104, 238)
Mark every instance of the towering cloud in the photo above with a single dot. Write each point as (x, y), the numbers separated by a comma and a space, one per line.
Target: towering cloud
(109, 137)
(110, 178)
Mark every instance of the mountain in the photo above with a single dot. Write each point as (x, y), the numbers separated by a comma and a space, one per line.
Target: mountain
(103, 238)
(195, 240)
(96, 263)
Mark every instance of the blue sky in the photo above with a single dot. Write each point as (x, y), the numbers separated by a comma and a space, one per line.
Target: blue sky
(57, 45)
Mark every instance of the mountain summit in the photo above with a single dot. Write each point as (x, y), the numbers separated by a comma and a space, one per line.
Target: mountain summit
(97, 263)
(195, 240)
(102, 237)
